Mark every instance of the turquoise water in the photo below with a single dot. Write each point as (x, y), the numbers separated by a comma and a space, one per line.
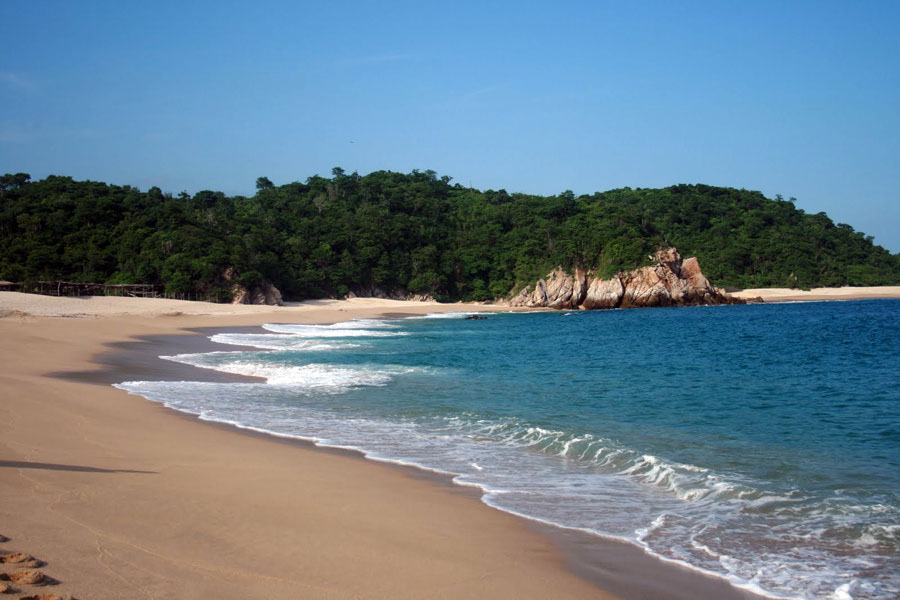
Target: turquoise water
(760, 443)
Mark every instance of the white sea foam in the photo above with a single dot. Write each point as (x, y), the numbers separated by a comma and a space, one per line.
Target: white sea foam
(275, 341)
(339, 330)
(322, 378)
(684, 481)
(313, 377)
(354, 324)
(843, 592)
(444, 315)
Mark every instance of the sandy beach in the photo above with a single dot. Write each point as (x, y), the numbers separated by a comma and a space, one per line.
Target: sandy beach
(120, 497)
(819, 294)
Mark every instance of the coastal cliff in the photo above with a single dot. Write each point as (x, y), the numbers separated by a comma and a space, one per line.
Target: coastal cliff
(671, 281)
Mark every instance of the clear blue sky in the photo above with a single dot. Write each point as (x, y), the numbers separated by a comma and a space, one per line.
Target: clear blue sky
(796, 98)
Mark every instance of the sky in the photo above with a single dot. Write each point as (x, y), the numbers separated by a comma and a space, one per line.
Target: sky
(794, 98)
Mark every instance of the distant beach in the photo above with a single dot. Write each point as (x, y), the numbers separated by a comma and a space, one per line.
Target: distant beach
(819, 294)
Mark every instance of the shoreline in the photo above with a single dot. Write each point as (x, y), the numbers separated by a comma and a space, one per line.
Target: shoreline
(819, 294)
(612, 564)
(571, 559)
(120, 496)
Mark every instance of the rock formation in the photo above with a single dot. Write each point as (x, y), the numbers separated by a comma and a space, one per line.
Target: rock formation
(672, 281)
(264, 293)
(604, 293)
(376, 292)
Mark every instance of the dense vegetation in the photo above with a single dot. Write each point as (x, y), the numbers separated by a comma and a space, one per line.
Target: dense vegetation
(415, 233)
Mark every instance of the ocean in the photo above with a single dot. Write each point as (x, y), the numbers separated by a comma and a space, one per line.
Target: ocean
(759, 443)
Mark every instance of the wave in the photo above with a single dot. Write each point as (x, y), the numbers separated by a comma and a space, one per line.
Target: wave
(686, 482)
(275, 341)
(353, 324)
(720, 524)
(349, 329)
(310, 378)
(445, 315)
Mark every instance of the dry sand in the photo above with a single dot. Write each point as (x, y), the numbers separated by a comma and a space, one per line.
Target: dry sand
(106, 306)
(123, 498)
(819, 294)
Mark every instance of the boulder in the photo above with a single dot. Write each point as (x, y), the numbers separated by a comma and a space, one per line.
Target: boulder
(649, 286)
(272, 295)
(239, 294)
(266, 294)
(603, 293)
(558, 290)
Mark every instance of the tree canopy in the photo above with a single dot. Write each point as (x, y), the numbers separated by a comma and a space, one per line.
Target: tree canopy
(412, 233)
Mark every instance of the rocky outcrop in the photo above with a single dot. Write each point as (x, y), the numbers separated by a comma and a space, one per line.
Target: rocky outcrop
(671, 281)
(604, 293)
(376, 292)
(558, 290)
(264, 293)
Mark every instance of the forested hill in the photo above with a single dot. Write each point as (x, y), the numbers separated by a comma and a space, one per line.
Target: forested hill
(415, 233)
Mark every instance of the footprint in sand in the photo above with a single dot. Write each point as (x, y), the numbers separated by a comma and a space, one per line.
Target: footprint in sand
(21, 560)
(28, 577)
(14, 558)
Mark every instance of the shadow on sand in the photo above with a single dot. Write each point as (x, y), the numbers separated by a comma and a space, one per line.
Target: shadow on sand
(18, 464)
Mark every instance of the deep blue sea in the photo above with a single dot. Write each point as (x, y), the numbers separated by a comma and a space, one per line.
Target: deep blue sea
(759, 442)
